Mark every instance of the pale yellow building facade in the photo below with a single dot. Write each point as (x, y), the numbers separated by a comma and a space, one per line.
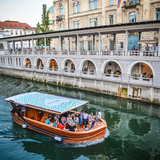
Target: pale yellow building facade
(73, 14)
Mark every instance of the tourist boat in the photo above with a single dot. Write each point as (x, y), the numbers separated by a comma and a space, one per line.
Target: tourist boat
(32, 109)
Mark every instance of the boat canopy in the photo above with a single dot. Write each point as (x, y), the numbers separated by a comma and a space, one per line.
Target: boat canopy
(47, 102)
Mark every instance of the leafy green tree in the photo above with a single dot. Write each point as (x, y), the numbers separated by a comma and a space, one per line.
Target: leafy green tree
(44, 27)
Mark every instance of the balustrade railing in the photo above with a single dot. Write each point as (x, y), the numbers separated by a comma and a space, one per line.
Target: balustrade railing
(83, 52)
(94, 53)
(108, 53)
(140, 80)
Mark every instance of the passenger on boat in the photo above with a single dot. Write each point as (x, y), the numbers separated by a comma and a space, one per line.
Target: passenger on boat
(81, 116)
(86, 128)
(63, 120)
(94, 123)
(76, 119)
(90, 119)
(99, 114)
(73, 127)
(48, 121)
(66, 114)
(61, 126)
(85, 118)
(55, 123)
(69, 120)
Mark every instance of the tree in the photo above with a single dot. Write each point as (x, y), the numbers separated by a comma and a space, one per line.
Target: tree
(44, 27)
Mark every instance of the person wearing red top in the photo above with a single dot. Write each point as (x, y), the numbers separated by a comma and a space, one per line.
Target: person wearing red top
(61, 126)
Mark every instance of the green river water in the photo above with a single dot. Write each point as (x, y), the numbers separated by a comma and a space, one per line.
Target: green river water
(134, 128)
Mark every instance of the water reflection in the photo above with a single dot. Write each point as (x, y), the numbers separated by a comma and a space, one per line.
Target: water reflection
(134, 126)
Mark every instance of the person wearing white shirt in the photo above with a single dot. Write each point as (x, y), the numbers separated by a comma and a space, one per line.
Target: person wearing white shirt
(85, 118)
(99, 114)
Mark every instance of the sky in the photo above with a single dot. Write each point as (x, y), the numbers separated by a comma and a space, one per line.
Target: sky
(26, 11)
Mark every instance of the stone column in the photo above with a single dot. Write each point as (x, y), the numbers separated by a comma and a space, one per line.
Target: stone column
(38, 46)
(139, 38)
(99, 43)
(33, 49)
(45, 44)
(114, 41)
(60, 43)
(29, 45)
(21, 45)
(78, 43)
(13, 46)
(159, 44)
(93, 42)
(49, 44)
(126, 44)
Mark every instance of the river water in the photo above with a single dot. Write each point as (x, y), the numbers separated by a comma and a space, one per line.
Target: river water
(134, 128)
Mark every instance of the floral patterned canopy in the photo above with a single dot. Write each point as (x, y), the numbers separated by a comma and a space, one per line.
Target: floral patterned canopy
(47, 101)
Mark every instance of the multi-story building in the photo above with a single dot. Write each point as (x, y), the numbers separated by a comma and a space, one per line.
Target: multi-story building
(91, 13)
(15, 28)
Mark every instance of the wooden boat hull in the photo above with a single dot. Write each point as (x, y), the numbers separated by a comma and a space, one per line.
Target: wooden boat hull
(98, 132)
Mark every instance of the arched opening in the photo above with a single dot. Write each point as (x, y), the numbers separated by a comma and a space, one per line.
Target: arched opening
(1, 46)
(69, 66)
(112, 68)
(40, 64)
(142, 70)
(53, 65)
(28, 63)
(133, 41)
(88, 67)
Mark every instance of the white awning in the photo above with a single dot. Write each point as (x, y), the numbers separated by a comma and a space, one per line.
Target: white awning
(47, 102)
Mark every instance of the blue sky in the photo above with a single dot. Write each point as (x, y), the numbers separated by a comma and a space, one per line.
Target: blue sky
(28, 11)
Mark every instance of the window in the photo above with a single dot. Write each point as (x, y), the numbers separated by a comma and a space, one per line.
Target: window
(11, 32)
(111, 19)
(61, 26)
(61, 10)
(89, 46)
(24, 32)
(110, 2)
(81, 46)
(75, 24)
(74, 46)
(95, 4)
(158, 14)
(95, 22)
(78, 24)
(78, 7)
(10, 25)
(91, 22)
(132, 17)
(32, 32)
(20, 32)
(63, 46)
(74, 8)
(91, 5)
(16, 33)
(15, 26)
(19, 62)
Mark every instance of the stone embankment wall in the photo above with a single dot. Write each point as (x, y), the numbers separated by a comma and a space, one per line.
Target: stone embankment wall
(136, 92)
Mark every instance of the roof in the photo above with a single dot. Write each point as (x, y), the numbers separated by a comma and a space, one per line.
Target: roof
(49, 102)
(51, 9)
(121, 25)
(14, 24)
(1, 24)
